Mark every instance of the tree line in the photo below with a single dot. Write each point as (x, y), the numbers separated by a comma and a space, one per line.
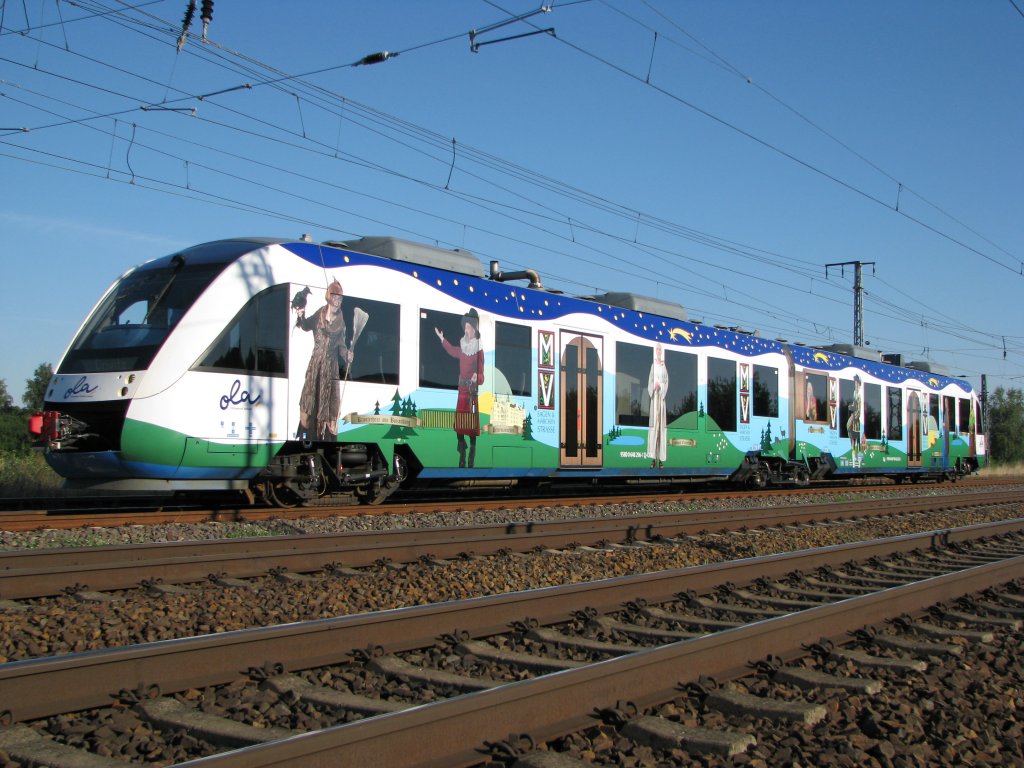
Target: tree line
(1005, 414)
(14, 420)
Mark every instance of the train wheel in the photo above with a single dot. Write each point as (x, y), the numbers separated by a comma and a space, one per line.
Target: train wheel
(759, 479)
(801, 477)
(280, 495)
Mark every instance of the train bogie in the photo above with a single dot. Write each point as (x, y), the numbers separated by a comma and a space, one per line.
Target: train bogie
(296, 371)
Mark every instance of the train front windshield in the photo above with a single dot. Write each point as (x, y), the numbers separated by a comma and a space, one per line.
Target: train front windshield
(131, 323)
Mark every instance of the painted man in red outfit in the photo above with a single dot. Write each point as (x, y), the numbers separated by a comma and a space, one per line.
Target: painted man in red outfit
(470, 355)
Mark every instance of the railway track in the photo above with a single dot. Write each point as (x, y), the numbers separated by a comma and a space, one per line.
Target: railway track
(459, 683)
(38, 573)
(34, 514)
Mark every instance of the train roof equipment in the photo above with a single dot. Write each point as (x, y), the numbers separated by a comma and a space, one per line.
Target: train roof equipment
(646, 304)
(855, 350)
(397, 249)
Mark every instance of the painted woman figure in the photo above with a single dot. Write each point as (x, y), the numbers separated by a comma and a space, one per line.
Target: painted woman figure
(853, 423)
(471, 375)
(810, 403)
(320, 400)
(657, 388)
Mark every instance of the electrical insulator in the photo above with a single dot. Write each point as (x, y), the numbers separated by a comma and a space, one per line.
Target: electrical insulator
(376, 58)
(190, 11)
(207, 16)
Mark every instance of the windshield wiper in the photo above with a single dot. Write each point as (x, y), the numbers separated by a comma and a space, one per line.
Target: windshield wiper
(177, 262)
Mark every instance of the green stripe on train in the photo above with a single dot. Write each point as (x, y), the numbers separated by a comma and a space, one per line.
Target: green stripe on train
(151, 444)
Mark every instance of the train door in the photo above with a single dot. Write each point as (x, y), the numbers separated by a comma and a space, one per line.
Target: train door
(914, 427)
(948, 427)
(581, 400)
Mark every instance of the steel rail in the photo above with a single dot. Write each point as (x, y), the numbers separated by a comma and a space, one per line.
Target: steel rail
(453, 732)
(42, 687)
(39, 573)
(15, 514)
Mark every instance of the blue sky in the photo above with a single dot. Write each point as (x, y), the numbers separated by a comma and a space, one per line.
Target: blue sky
(714, 154)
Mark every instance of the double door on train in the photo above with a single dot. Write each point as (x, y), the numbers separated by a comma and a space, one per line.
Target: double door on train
(581, 397)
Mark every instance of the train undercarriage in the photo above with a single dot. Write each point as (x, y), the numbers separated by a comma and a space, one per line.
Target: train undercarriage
(759, 471)
(329, 473)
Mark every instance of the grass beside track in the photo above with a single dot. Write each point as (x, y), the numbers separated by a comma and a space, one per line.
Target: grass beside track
(27, 474)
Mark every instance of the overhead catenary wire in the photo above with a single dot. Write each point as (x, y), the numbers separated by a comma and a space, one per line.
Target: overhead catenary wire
(830, 176)
(901, 186)
(375, 120)
(523, 17)
(631, 214)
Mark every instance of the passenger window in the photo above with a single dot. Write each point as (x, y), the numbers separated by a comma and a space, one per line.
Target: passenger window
(766, 391)
(965, 414)
(256, 340)
(682, 386)
(851, 406)
(632, 368)
(873, 411)
(949, 414)
(513, 353)
(894, 429)
(722, 393)
(375, 353)
(814, 398)
(437, 368)
(632, 380)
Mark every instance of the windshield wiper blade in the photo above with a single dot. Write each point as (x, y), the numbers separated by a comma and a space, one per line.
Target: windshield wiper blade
(177, 261)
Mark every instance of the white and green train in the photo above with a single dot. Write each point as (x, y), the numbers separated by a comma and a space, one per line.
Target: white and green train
(292, 370)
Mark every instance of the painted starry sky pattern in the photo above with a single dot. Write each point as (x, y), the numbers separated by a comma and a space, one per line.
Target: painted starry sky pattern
(511, 301)
(822, 360)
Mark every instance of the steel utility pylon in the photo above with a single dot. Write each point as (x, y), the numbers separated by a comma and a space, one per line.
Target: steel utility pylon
(858, 296)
